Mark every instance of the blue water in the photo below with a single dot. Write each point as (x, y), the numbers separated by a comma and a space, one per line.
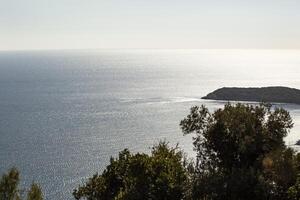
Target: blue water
(64, 113)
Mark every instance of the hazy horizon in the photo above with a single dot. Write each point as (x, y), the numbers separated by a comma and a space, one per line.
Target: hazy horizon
(115, 24)
(112, 49)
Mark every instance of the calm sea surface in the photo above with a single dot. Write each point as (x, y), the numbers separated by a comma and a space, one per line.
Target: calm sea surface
(64, 113)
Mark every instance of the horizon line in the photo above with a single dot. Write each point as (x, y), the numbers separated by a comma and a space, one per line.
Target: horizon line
(78, 49)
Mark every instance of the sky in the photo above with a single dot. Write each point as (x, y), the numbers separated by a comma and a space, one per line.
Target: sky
(170, 24)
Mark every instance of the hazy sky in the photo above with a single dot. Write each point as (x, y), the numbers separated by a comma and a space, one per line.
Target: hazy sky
(65, 24)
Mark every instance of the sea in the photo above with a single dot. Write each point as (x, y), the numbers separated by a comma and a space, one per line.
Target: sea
(64, 113)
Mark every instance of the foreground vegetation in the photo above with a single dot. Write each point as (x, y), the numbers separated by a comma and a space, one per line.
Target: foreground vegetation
(9, 188)
(162, 175)
(241, 155)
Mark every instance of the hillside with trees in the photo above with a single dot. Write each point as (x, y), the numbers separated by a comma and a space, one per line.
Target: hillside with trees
(264, 94)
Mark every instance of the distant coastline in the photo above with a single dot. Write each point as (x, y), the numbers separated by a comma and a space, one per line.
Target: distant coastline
(277, 94)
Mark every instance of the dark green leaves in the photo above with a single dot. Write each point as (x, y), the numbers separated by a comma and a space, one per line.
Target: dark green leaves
(9, 187)
(236, 148)
(139, 176)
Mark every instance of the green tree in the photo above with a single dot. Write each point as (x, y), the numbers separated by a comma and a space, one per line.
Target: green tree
(241, 153)
(294, 191)
(35, 192)
(161, 175)
(9, 187)
(9, 184)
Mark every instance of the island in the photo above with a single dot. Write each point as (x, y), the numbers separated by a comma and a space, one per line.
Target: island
(276, 94)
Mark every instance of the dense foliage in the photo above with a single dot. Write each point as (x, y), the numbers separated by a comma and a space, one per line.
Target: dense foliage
(241, 153)
(9, 187)
(161, 175)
